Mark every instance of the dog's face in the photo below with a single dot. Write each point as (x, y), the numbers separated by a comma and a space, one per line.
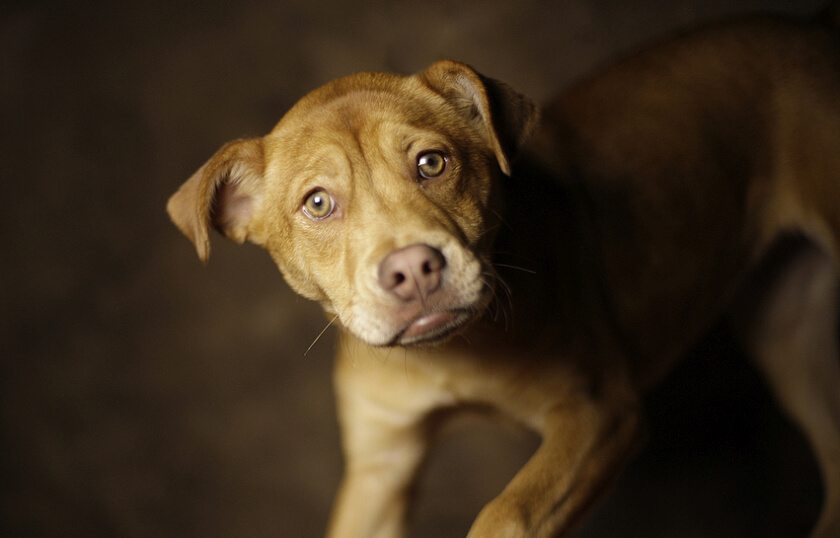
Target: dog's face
(374, 195)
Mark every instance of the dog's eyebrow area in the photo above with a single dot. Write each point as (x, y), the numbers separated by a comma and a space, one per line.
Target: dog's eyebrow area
(355, 135)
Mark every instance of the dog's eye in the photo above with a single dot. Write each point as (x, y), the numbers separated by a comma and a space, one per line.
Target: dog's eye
(318, 204)
(431, 164)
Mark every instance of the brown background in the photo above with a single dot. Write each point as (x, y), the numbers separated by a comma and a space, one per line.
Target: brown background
(142, 394)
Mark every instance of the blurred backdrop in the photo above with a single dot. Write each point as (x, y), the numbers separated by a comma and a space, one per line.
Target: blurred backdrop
(143, 394)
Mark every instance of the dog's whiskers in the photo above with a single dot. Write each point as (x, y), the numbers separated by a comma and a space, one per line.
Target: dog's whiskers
(405, 366)
(502, 221)
(387, 355)
(497, 302)
(516, 267)
(490, 229)
(320, 334)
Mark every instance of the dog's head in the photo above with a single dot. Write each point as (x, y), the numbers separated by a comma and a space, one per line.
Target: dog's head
(374, 196)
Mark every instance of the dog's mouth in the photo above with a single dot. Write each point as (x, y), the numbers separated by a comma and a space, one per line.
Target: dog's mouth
(431, 327)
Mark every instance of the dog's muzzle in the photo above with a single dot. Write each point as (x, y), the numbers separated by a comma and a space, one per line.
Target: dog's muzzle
(414, 277)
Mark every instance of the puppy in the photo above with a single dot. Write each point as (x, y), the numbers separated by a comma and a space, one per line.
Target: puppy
(697, 179)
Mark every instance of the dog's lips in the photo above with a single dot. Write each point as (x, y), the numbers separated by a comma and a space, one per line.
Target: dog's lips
(433, 326)
(427, 323)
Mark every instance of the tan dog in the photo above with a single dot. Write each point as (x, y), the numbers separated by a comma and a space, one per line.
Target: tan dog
(697, 179)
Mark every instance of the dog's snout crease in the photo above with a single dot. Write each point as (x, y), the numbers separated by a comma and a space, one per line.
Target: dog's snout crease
(412, 273)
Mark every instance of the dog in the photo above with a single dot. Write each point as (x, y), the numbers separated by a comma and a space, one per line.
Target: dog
(552, 265)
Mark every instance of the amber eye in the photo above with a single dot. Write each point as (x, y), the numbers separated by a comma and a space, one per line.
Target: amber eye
(431, 164)
(318, 204)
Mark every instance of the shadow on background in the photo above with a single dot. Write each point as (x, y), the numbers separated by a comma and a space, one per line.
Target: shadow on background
(142, 394)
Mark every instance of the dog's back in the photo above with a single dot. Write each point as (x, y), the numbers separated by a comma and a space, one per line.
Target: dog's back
(695, 156)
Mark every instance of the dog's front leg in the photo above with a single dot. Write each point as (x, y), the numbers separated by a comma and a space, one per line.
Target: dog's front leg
(585, 444)
(384, 416)
(381, 464)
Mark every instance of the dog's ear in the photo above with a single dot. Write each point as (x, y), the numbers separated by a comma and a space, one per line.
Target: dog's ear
(502, 115)
(222, 193)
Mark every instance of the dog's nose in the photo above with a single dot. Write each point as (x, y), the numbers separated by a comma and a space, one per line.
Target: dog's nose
(412, 272)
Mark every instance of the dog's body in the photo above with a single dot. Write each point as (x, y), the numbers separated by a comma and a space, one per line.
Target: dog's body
(651, 203)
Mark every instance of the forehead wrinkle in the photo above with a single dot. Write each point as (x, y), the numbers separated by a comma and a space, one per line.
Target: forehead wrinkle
(370, 129)
(366, 145)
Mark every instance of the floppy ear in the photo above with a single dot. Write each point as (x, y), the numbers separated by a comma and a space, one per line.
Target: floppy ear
(222, 193)
(503, 116)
